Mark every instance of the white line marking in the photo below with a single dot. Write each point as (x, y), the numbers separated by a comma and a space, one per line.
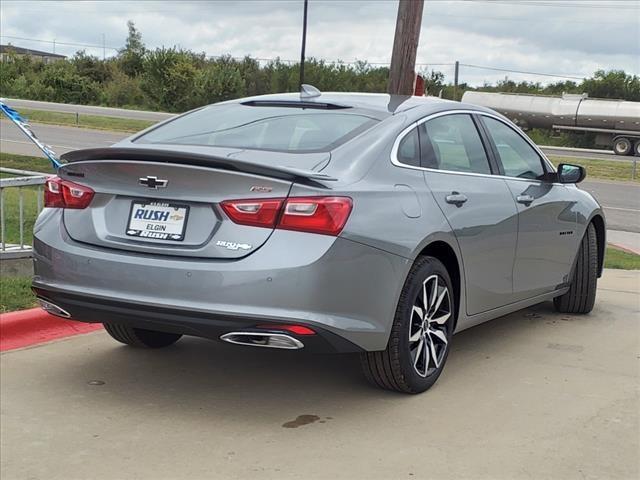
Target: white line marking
(31, 143)
(623, 209)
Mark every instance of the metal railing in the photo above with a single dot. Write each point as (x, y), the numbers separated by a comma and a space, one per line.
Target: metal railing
(26, 180)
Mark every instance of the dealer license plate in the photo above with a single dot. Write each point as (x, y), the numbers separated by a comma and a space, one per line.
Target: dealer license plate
(163, 221)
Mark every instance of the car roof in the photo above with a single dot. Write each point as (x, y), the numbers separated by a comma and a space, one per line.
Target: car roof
(382, 103)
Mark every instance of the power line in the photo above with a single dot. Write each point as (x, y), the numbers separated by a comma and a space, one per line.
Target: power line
(522, 72)
(333, 62)
(526, 20)
(561, 4)
(58, 43)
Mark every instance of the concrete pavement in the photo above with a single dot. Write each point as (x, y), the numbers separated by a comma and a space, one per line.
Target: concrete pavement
(532, 395)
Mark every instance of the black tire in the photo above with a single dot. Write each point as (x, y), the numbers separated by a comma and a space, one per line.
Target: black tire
(622, 146)
(137, 337)
(636, 148)
(394, 368)
(582, 293)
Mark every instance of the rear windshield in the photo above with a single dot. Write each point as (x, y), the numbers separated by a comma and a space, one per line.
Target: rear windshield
(262, 128)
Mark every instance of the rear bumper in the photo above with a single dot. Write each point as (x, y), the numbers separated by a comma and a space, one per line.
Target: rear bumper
(345, 290)
(199, 324)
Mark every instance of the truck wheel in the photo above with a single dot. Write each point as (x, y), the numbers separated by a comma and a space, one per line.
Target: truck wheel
(582, 293)
(138, 337)
(621, 146)
(636, 149)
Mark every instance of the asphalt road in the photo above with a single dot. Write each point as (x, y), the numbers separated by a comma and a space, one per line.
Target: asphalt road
(88, 110)
(60, 139)
(585, 153)
(621, 200)
(535, 394)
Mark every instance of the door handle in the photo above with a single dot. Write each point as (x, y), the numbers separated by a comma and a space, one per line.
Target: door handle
(525, 199)
(456, 198)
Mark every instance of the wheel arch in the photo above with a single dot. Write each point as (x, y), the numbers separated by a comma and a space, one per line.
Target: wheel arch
(447, 255)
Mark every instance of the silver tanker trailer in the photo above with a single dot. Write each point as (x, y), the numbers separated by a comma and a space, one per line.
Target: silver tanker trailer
(616, 123)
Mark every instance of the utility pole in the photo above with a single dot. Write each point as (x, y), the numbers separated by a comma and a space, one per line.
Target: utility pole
(405, 46)
(104, 48)
(455, 80)
(54, 45)
(304, 42)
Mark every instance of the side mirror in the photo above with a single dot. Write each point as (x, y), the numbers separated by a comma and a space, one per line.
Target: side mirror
(568, 173)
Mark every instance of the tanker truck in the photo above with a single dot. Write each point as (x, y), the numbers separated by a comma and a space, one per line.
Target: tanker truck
(616, 123)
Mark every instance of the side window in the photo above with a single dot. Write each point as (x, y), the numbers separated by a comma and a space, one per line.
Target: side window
(518, 158)
(409, 149)
(452, 142)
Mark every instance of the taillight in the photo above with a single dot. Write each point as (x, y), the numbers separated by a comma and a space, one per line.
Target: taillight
(324, 215)
(59, 193)
(257, 213)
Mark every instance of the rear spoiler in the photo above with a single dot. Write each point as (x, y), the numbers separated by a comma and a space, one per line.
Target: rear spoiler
(293, 174)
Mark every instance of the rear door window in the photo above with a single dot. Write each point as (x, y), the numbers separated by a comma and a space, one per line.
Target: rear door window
(452, 142)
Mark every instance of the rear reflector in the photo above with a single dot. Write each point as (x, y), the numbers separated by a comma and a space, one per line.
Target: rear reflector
(295, 329)
(59, 193)
(324, 215)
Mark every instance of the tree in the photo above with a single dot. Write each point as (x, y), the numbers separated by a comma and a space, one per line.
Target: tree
(433, 82)
(91, 67)
(613, 84)
(132, 55)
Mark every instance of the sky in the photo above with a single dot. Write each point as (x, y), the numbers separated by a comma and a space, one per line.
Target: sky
(568, 38)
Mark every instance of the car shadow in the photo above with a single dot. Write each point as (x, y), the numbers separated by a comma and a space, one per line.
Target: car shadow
(208, 379)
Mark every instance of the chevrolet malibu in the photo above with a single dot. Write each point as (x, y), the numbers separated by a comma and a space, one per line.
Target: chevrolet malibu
(329, 222)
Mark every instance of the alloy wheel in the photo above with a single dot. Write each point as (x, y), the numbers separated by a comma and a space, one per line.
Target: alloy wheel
(428, 328)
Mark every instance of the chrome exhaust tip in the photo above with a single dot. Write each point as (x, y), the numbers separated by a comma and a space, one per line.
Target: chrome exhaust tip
(53, 309)
(260, 339)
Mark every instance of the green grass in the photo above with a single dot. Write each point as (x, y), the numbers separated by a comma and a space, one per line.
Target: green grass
(25, 162)
(16, 294)
(11, 197)
(86, 121)
(12, 217)
(621, 260)
(600, 169)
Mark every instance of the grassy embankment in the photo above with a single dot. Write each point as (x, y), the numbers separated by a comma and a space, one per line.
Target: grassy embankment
(98, 122)
(600, 169)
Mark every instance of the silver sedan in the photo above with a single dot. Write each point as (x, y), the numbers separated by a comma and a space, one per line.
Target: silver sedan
(332, 222)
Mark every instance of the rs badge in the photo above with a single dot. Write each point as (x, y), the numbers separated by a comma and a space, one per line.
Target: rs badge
(233, 245)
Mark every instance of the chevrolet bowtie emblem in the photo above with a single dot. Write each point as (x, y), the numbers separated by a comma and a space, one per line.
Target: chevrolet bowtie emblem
(153, 182)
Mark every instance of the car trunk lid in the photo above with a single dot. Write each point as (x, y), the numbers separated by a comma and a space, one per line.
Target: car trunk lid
(168, 203)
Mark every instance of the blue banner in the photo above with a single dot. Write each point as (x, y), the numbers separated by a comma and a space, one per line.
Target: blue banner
(23, 125)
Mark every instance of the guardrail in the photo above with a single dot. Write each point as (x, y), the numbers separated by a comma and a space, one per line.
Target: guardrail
(26, 179)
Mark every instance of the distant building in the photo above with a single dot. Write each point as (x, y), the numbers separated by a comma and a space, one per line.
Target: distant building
(45, 57)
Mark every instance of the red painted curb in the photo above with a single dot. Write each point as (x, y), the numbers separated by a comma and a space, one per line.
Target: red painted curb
(34, 326)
